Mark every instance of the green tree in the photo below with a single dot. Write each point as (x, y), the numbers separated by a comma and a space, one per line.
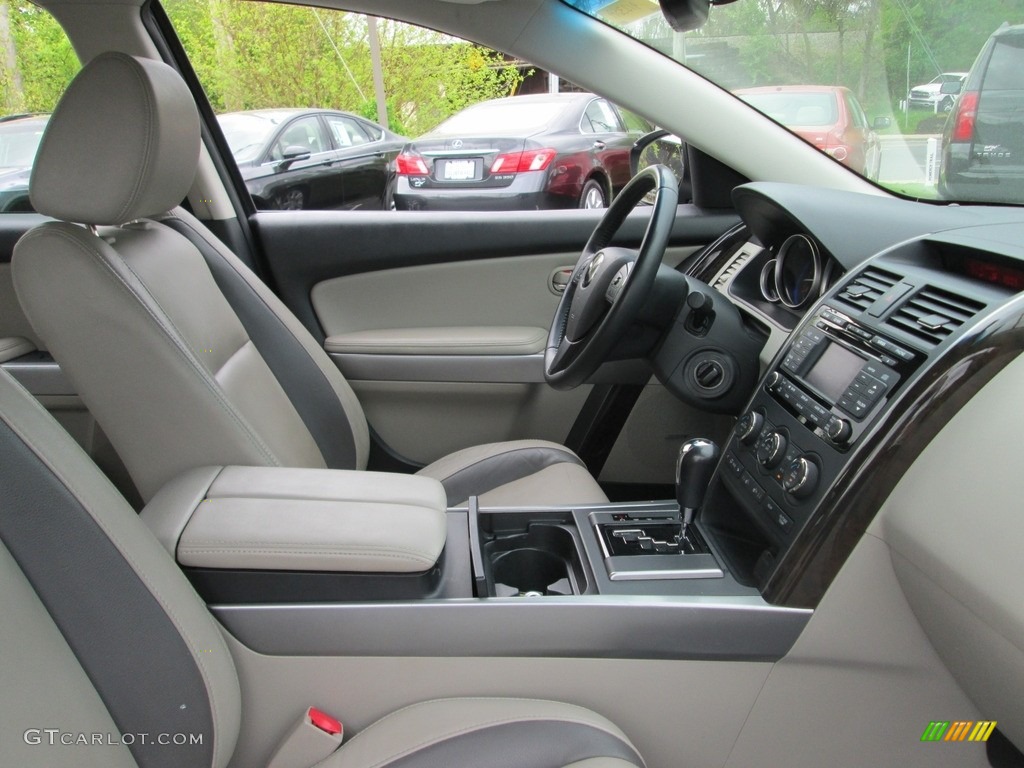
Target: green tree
(255, 55)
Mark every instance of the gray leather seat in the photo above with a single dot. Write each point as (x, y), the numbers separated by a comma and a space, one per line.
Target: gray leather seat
(183, 356)
(104, 639)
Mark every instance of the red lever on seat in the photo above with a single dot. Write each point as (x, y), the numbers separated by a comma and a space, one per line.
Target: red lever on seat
(324, 722)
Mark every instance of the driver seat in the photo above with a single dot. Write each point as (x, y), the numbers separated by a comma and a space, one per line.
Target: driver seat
(181, 353)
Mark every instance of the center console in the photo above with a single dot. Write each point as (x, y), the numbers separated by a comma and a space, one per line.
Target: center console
(833, 381)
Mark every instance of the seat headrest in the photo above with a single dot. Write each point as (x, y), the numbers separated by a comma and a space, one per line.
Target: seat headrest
(122, 144)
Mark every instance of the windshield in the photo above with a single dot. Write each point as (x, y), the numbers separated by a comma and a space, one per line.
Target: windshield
(915, 95)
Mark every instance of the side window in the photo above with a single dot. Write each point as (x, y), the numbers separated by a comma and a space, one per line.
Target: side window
(346, 132)
(39, 65)
(601, 118)
(303, 133)
(859, 118)
(373, 131)
(263, 64)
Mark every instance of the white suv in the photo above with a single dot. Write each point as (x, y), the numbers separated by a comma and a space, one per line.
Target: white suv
(930, 94)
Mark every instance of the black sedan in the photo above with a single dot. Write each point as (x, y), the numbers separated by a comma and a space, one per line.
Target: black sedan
(568, 150)
(305, 158)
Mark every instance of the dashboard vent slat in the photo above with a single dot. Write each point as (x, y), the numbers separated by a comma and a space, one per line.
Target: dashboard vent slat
(867, 288)
(932, 314)
(734, 266)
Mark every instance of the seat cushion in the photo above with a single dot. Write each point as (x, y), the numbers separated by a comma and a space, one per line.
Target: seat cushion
(518, 473)
(488, 733)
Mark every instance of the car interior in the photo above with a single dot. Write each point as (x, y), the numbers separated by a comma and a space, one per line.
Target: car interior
(720, 475)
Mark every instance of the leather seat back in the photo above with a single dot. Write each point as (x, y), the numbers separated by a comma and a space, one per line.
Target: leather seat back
(133, 313)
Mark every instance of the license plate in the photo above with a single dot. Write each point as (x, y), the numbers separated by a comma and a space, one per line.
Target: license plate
(459, 170)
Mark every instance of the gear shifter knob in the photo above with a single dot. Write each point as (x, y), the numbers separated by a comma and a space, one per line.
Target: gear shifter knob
(694, 467)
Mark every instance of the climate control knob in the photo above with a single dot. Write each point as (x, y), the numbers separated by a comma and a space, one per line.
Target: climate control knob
(772, 449)
(749, 427)
(801, 478)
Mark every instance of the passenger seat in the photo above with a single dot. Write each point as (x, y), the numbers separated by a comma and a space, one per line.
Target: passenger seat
(104, 639)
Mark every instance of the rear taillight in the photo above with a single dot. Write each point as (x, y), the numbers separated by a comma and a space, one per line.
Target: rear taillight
(411, 164)
(966, 115)
(520, 162)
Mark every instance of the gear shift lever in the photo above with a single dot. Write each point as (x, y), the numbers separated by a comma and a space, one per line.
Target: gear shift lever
(694, 467)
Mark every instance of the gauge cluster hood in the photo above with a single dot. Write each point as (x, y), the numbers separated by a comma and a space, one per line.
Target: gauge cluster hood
(773, 211)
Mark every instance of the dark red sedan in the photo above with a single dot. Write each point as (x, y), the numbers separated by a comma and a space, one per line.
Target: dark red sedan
(565, 150)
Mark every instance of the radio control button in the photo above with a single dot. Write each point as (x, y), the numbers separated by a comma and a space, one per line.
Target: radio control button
(878, 371)
(838, 430)
(890, 361)
(813, 335)
(820, 415)
(793, 361)
(833, 318)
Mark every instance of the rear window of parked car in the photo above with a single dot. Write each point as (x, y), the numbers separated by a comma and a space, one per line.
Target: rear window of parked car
(1006, 68)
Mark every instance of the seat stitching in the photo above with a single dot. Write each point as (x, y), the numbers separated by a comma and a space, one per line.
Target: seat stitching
(148, 115)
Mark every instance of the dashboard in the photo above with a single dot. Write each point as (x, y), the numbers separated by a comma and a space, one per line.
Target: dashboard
(885, 317)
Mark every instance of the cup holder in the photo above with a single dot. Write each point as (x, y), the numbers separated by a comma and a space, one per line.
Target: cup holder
(542, 561)
(530, 572)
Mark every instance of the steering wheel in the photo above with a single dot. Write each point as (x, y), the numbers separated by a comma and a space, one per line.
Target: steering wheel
(609, 285)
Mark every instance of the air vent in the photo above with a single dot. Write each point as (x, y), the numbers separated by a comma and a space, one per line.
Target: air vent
(933, 314)
(727, 274)
(867, 288)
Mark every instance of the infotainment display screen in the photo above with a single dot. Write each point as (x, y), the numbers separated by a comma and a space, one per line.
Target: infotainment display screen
(835, 370)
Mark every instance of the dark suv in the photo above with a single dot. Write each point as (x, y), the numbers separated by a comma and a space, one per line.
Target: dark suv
(983, 141)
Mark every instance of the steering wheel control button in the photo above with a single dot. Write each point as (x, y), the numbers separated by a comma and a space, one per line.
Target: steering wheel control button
(771, 449)
(748, 428)
(801, 478)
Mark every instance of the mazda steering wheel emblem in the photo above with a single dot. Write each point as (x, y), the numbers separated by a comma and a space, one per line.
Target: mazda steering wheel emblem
(592, 269)
(457, 144)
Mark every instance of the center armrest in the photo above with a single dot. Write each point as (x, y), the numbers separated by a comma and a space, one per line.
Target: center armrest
(282, 519)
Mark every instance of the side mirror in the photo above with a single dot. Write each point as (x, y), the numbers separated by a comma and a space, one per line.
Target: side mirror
(951, 88)
(881, 123)
(293, 154)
